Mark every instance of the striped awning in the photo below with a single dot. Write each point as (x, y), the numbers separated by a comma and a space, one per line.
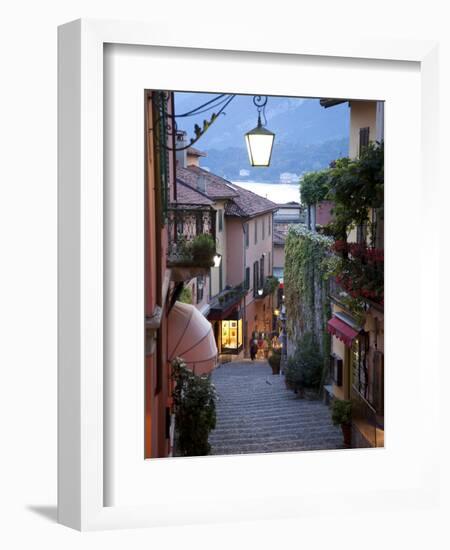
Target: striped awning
(342, 331)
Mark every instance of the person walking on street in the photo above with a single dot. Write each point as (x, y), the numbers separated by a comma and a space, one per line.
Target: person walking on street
(253, 350)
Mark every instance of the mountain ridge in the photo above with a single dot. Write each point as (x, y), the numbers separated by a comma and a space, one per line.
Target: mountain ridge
(307, 136)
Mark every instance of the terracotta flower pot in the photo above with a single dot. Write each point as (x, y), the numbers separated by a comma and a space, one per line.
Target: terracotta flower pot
(347, 433)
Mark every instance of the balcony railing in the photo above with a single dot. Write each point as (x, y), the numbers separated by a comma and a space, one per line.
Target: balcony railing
(366, 420)
(186, 224)
(336, 292)
(267, 287)
(228, 298)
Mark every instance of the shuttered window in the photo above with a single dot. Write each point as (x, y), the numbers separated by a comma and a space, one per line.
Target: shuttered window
(255, 278)
(364, 134)
(247, 278)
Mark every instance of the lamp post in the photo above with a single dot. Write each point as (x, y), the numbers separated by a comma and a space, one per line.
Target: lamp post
(260, 140)
(283, 335)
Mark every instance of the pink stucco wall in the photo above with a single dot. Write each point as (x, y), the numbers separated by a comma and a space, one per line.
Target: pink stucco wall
(278, 256)
(235, 257)
(254, 251)
(323, 212)
(259, 311)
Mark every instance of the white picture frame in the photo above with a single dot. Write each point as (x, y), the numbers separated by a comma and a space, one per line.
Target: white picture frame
(82, 483)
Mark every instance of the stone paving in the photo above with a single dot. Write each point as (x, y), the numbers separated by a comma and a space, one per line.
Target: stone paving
(257, 414)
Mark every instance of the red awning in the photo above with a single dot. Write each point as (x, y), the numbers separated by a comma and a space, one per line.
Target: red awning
(341, 330)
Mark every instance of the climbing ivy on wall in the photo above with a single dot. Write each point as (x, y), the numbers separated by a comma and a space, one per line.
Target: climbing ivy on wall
(307, 267)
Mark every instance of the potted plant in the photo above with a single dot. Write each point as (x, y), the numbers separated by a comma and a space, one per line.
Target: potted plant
(183, 252)
(203, 249)
(194, 405)
(292, 375)
(305, 368)
(275, 361)
(341, 415)
(270, 285)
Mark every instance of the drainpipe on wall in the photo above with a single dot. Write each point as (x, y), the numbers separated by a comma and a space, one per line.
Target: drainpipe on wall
(181, 155)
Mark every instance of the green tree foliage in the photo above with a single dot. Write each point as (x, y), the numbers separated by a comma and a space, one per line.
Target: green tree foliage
(194, 401)
(356, 186)
(315, 186)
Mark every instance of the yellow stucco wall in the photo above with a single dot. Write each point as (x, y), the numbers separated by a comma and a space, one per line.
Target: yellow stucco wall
(362, 115)
(338, 348)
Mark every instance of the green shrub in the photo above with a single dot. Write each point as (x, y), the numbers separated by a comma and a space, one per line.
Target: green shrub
(304, 368)
(341, 412)
(194, 401)
(292, 373)
(275, 358)
(183, 249)
(203, 247)
(186, 295)
(271, 284)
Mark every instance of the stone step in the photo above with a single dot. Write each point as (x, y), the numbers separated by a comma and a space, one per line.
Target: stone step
(256, 413)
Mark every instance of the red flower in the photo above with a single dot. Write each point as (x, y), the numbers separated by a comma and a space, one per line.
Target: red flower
(340, 246)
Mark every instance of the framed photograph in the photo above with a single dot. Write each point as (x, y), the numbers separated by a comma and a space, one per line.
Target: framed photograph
(193, 285)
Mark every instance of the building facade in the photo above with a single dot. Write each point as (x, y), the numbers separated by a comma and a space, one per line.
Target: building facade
(175, 215)
(357, 347)
(239, 307)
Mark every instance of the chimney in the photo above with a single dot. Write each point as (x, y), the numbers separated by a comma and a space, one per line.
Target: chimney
(181, 141)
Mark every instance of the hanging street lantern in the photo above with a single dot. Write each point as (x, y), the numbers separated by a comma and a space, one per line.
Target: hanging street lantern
(260, 140)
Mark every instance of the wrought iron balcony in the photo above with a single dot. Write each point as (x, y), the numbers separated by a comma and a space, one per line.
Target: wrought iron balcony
(341, 294)
(267, 287)
(191, 236)
(226, 301)
(336, 291)
(369, 424)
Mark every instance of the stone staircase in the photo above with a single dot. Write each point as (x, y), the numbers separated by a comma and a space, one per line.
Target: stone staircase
(257, 414)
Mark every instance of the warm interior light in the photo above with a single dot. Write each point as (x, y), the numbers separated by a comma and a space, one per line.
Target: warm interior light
(276, 312)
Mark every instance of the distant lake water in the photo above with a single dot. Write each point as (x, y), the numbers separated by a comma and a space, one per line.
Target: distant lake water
(276, 192)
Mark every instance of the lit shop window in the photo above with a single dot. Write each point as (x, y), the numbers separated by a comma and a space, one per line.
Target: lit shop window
(231, 335)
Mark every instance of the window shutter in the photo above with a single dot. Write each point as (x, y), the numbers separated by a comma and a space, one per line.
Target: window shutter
(336, 369)
(363, 138)
(338, 372)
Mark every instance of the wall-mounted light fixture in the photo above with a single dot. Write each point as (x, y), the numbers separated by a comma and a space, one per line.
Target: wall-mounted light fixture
(217, 259)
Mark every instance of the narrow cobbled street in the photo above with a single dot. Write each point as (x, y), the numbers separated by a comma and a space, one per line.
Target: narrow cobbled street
(257, 414)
